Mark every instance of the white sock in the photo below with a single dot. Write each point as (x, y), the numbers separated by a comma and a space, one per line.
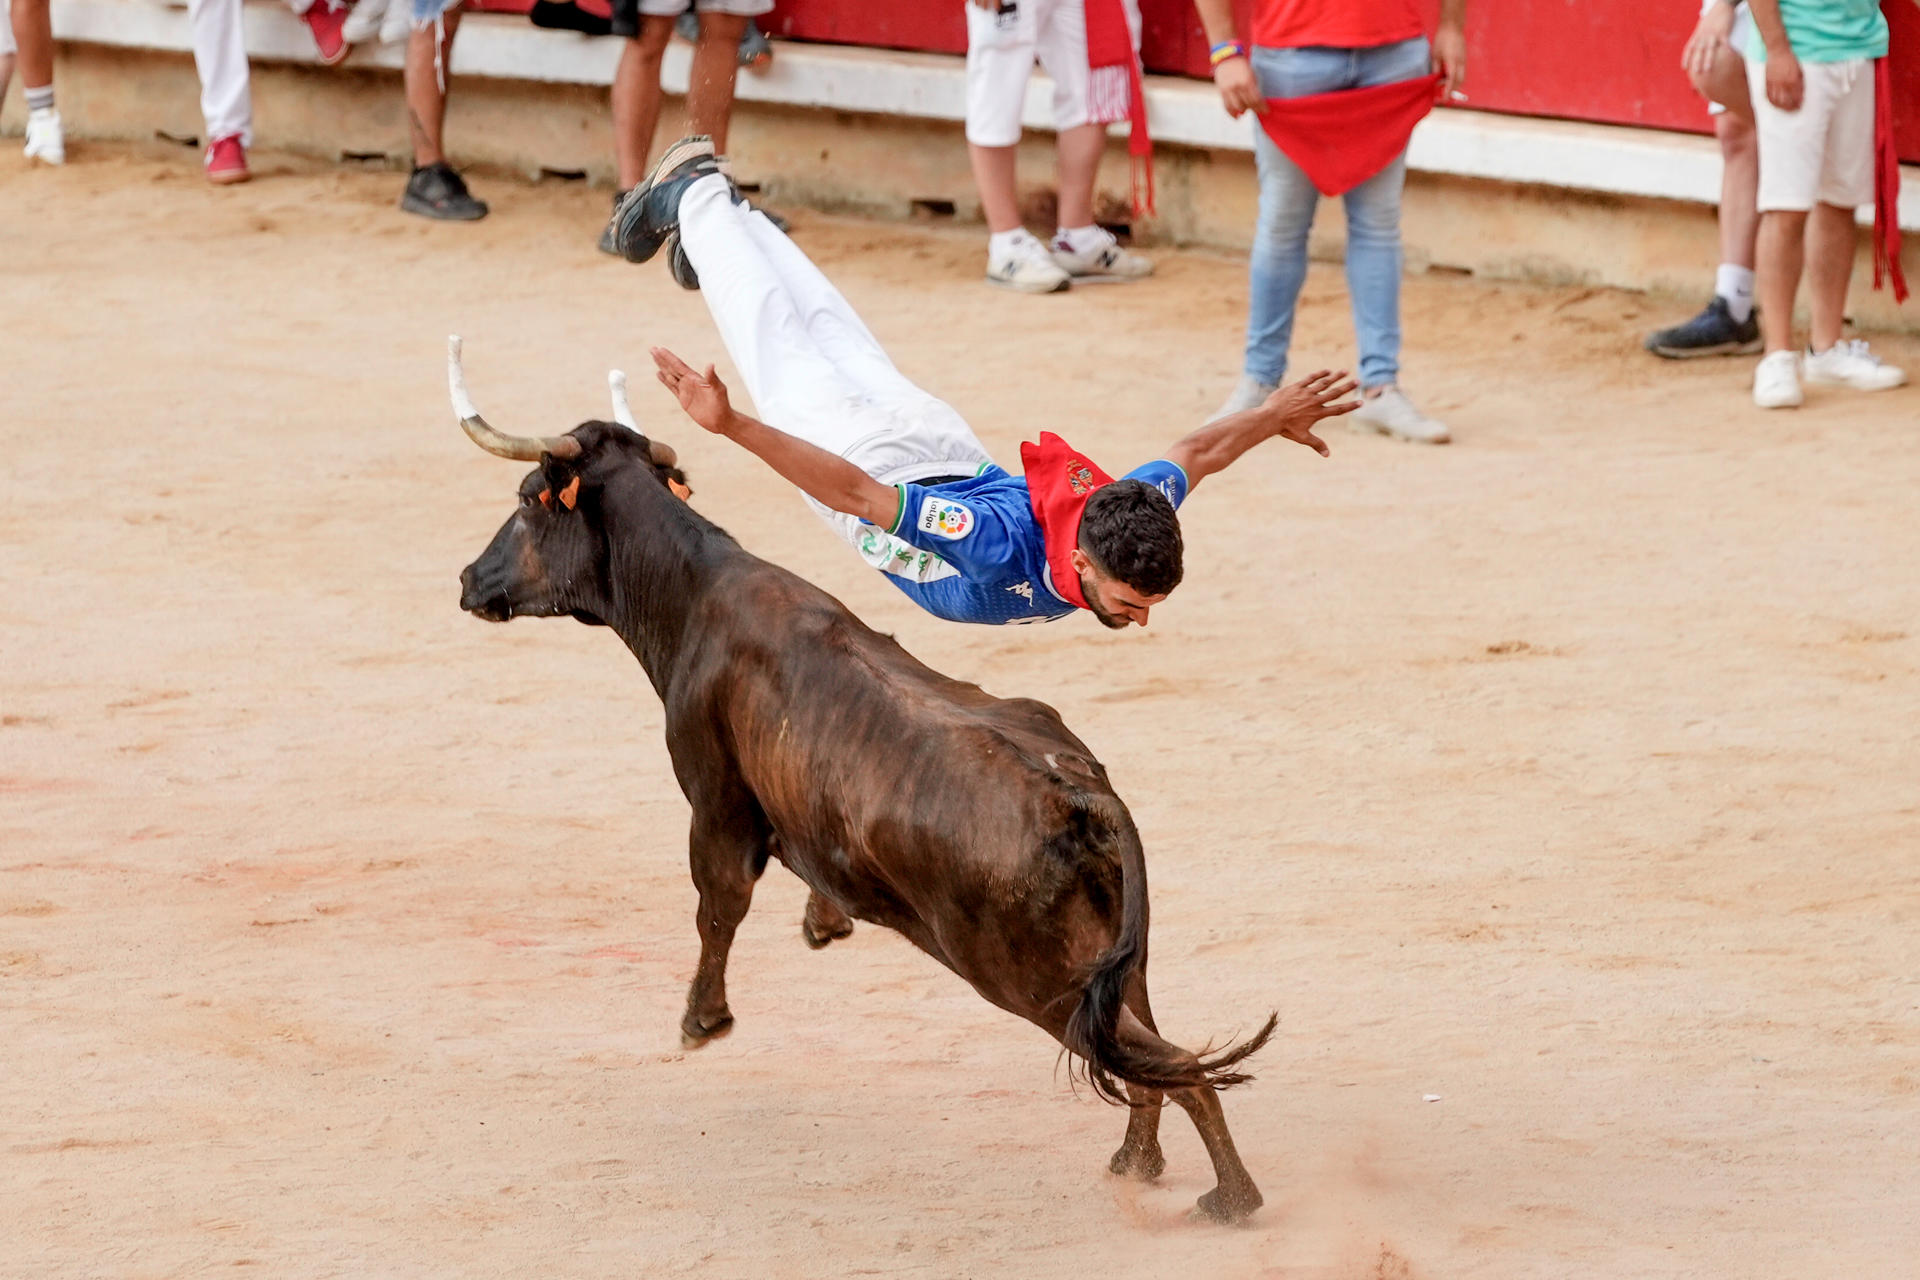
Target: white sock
(40, 99)
(1001, 243)
(1081, 239)
(1735, 284)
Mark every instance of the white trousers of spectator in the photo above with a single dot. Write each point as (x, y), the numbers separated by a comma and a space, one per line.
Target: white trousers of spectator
(6, 28)
(220, 56)
(813, 369)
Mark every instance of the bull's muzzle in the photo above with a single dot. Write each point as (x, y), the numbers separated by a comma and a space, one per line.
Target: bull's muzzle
(484, 595)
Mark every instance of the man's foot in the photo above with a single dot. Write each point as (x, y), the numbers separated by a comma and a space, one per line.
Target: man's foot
(1392, 414)
(45, 141)
(1094, 255)
(1248, 393)
(328, 24)
(1021, 262)
(651, 211)
(679, 267)
(363, 21)
(607, 244)
(1850, 364)
(226, 161)
(1714, 332)
(1776, 381)
(436, 191)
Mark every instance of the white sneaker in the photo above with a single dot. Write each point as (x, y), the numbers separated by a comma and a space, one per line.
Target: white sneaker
(1025, 265)
(1850, 364)
(1102, 261)
(1392, 414)
(363, 23)
(397, 27)
(45, 142)
(1776, 381)
(1248, 393)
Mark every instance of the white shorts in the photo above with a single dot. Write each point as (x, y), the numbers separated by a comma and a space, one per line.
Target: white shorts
(1822, 153)
(1002, 46)
(674, 8)
(1736, 40)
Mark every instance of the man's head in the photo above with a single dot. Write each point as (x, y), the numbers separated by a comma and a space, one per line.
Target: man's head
(1129, 557)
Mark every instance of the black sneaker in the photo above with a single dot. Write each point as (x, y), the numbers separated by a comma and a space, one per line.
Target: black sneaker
(651, 210)
(436, 191)
(682, 270)
(607, 242)
(1714, 332)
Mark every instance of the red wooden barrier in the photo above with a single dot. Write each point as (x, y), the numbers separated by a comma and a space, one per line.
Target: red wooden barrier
(1611, 61)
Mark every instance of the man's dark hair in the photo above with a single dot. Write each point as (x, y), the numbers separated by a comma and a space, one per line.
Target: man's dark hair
(1131, 532)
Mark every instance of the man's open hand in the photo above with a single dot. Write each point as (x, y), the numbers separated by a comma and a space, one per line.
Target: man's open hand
(1296, 407)
(702, 395)
(1786, 86)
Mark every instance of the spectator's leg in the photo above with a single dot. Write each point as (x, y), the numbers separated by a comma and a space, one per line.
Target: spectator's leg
(1077, 164)
(1780, 254)
(1831, 236)
(428, 48)
(1277, 265)
(33, 34)
(7, 56)
(636, 99)
(1726, 84)
(1374, 260)
(220, 56)
(710, 81)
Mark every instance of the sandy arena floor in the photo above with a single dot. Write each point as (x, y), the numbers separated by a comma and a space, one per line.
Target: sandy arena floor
(1568, 773)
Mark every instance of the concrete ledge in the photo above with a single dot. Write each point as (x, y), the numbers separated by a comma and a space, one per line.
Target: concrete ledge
(1464, 144)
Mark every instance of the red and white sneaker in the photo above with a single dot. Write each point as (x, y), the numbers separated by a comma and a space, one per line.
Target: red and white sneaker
(227, 161)
(326, 21)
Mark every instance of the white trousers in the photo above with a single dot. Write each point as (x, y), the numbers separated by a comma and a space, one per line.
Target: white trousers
(812, 368)
(6, 28)
(1823, 152)
(220, 56)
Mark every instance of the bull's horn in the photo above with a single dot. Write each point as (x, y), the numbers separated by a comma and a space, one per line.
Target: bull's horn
(519, 448)
(622, 411)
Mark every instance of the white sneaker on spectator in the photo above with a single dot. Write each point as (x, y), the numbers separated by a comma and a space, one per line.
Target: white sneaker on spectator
(1850, 364)
(1776, 381)
(397, 26)
(1098, 257)
(1392, 414)
(363, 23)
(45, 142)
(1248, 393)
(1025, 264)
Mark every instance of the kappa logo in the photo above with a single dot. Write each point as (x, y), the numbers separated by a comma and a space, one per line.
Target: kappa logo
(944, 518)
(1024, 590)
(1079, 476)
(1166, 487)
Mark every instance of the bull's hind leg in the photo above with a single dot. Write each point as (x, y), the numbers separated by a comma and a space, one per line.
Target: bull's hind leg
(1139, 1155)
(824, 922)
(726, 853)
(1235, 1196)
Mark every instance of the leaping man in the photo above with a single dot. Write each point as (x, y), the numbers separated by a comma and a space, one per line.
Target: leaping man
(895, 471)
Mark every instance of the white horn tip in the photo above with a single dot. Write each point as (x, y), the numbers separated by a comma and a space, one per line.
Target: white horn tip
(622, 411)
(457, 381)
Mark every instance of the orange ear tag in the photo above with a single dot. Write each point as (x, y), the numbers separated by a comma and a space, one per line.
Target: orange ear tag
(570, 494)
(680, 491)
(546, 497)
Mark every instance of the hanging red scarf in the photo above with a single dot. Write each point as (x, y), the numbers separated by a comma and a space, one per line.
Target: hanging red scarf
(1060, 479)
(1341, 139)
(1886, 186)
(1115, 92)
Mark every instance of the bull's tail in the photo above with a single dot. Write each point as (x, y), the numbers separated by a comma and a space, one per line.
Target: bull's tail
(1093, 1031)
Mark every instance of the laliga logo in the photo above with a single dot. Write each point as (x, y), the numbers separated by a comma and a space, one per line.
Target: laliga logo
(1079, 476)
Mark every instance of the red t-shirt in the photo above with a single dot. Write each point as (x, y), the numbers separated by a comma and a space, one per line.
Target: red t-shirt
(1338, 24)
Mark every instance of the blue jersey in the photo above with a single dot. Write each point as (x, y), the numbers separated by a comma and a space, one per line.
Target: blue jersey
(971, 550)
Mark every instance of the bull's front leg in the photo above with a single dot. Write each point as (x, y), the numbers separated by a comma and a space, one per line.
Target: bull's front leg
(726, 855)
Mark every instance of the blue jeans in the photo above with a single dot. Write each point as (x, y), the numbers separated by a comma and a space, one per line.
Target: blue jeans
(1287, 202)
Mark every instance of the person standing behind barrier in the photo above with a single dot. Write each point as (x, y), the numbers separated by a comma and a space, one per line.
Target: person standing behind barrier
(647, 25)
(1812, 63)
(434, 188)
(226, 92)
(32, 27)
(1305, 48)
(1004, 37)
(1713, 61)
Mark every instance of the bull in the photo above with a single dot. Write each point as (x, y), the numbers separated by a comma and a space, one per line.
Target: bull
(1013, 863)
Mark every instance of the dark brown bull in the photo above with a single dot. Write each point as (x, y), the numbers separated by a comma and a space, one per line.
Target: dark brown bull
(979, 827)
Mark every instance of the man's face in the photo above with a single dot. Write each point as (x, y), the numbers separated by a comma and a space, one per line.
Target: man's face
(1112, 601)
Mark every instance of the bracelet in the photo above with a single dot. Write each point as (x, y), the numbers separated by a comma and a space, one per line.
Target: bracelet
(1225, 50)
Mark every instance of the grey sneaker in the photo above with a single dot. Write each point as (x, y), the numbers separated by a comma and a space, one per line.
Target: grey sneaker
(1392, 414)
(1106, 260)
(1248, 393)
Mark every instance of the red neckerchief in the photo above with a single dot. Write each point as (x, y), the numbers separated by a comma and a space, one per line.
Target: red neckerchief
(1341, 139)
(1115, 91)
(1886, 186)
(1060, 479)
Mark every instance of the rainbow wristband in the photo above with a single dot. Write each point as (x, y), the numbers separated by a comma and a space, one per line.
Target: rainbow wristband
(1224, 50)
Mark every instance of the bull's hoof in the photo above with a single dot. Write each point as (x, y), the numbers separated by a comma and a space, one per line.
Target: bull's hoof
(694, 1032)
(1141, 1163)
(818, 936)
(1228, 1206)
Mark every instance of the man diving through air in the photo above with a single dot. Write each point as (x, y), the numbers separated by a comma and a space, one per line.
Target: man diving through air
(895, 471)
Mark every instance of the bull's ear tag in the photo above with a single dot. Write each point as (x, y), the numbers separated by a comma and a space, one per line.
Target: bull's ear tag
(546, 497)
(680, 491)
(570, 494)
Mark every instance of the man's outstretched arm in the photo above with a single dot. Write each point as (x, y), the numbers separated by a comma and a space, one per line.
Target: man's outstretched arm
(828, 479)
(1291, 412)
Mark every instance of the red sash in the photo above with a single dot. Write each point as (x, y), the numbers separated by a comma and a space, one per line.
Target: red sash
(1341, 139)
(1060, 479)
(1886, 186)
(1115, 92)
